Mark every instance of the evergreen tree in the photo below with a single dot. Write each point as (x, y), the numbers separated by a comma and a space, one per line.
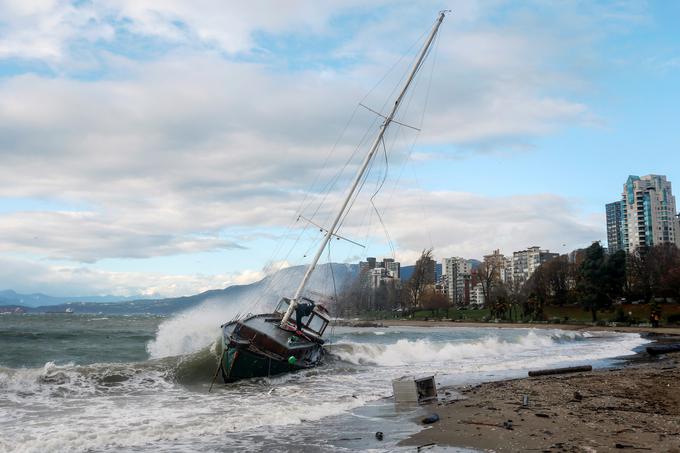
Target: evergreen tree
(602, 278)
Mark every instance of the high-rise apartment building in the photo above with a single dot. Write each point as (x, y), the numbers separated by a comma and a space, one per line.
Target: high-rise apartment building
(456, 277)
(393, 267)
(614, 226)
(374, 273)
(648, 216)
(525, 262)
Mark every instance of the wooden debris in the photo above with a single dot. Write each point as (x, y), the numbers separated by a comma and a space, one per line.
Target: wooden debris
(570, 369)
(663, 348)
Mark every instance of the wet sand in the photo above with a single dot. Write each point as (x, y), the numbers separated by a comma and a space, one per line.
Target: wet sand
(634, 408)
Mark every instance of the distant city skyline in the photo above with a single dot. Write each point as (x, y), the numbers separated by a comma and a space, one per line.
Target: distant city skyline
(151, 148)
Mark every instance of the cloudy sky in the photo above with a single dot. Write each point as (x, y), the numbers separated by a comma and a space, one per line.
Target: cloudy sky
(167, 147)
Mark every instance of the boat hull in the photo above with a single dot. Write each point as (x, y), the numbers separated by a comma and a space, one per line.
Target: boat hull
(258, 347)
(240, 364)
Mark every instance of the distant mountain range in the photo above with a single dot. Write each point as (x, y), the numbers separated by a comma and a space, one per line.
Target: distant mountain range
(267, 291)
(9, 297)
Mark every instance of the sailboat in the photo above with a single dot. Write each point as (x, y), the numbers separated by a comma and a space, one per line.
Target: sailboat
(272, 343)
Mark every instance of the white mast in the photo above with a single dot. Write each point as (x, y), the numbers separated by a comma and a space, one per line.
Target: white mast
(367, 160)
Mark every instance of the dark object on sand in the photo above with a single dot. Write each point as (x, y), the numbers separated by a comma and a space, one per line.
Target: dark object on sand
(569, 369)
(472, 422)
(379, 435)
(663, 349)
(508, 424)
(630, 446)
(431, 419)
(577, 396)
(542, 415)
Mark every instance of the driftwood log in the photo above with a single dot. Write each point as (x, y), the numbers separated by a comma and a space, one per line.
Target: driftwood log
(569, 369)
(663, 348)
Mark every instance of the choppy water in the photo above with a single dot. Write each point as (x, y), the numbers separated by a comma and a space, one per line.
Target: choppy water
(138, 383)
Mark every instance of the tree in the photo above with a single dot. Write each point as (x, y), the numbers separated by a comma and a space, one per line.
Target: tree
(486, 274)
(602, 278)
(416, 285)
(538, 287)
(434, 301)
(650, 271)
(500, 301)
(559, 274)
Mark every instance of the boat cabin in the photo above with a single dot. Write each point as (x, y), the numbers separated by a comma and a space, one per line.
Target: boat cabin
(314, 323)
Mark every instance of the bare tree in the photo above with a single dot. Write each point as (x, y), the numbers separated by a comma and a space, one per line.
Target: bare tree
(434, 301)
(420, 279)
(486, 275)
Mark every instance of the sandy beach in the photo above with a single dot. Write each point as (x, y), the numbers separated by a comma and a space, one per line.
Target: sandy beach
(635, 407)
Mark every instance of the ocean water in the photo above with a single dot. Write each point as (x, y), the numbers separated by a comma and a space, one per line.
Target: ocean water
(140, 383)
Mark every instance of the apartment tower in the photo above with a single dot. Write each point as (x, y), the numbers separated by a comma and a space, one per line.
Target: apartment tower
(648, 215)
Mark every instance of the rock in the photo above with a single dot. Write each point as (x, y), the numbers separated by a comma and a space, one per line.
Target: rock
(433, 418)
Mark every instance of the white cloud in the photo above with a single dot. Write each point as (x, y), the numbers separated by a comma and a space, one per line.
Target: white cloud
(169, 154)
(471, 225)
(42, 29)
(26, 276)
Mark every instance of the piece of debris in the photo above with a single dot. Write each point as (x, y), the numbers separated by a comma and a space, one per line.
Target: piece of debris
(409, 389)
(630, 446)
(525, 400)
(472, 422)
(569, 369)
(663, 348)
(507, 424)
(379, 435)
(542, 415)
(431, 419)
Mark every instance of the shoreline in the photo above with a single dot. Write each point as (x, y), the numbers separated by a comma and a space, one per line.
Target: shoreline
(635, 406)
(453, 324)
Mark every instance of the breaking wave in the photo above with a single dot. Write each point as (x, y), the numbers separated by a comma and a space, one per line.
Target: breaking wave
(408, 351)
(190, 331)
(100, 379)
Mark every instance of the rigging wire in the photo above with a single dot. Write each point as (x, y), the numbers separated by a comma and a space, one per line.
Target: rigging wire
(397, 85)
(417, 135)
(327, 189)
(275, 276)
(401, 113)
(377, 212)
